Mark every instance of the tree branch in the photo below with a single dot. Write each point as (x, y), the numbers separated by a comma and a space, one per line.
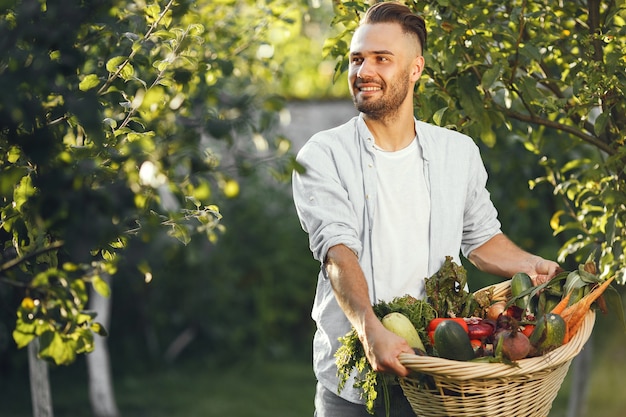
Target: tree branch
(532, 118)
(16, 261)
(109, 81)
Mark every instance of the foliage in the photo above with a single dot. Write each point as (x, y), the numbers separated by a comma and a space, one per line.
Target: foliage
(544, 71)
(108, 121)
(246, 297)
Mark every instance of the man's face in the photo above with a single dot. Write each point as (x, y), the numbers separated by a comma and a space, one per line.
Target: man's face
(380, 72)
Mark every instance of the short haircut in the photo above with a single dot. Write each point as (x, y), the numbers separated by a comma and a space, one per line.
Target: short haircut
(393, 12)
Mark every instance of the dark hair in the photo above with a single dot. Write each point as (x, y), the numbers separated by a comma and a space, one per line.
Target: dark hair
(393, 12)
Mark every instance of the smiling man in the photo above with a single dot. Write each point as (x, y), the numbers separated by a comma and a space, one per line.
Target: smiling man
(384, 199)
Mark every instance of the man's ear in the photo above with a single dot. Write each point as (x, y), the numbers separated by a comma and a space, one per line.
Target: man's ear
(417, 68)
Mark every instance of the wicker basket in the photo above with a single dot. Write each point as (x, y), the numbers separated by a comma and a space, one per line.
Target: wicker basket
(464, 389)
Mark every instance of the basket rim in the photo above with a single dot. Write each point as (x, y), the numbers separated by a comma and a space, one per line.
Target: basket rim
(471, 370)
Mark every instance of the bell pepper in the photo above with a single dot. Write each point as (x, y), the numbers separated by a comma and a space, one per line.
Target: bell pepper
(527, 329)
(481, 329)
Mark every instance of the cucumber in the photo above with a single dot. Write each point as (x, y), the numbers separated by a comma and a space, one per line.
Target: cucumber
(453, 342)
(520, 284)
(549, 333)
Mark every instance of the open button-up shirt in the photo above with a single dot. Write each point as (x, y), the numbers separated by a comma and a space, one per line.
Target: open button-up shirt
(335, 199)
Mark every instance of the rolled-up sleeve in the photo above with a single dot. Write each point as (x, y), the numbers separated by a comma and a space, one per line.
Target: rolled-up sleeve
(480, 220)
(323, 200)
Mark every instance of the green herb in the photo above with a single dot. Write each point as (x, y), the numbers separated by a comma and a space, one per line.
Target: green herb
(447, 292)
(351, 355)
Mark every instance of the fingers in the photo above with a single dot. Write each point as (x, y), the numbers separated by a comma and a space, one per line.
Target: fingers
(386, 358)
(391, 365)
(540, 279)
(400, 369)
(545, 270)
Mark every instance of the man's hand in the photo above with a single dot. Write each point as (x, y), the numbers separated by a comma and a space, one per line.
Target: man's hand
(500, 256)
(545, 270)
(382, 349)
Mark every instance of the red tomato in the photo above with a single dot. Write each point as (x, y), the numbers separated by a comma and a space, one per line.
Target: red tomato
(435, 322)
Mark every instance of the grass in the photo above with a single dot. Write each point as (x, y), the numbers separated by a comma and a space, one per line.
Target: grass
(281, 390)
(189, 390)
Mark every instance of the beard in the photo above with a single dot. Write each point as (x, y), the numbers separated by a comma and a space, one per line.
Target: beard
(388, 105)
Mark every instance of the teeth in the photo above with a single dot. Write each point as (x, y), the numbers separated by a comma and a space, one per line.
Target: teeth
(370, 88)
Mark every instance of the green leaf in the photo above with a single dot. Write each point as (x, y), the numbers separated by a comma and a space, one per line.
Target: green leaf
(152, 13)
(530, 50)
(101, 286)
(23, 191)
(22, 339)
(438, 116)
(89, 82)
(113, 64)
(490, 76)
(614, 304)
(600, 124)
(99, 329)
(180, 232)
(54, 347)
(573, 281)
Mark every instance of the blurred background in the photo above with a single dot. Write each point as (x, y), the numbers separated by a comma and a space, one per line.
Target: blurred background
(219, 325)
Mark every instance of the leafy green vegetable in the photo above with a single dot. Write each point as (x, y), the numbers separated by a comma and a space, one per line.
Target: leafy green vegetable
(447, 292)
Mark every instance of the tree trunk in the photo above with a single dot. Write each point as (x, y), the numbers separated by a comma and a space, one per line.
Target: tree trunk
(101, 392)
(577, 403)
(39, 382)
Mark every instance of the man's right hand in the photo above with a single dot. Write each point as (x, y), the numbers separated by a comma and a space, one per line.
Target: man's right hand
(382, 348)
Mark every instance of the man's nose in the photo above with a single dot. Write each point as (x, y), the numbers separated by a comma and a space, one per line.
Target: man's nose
(365, 69)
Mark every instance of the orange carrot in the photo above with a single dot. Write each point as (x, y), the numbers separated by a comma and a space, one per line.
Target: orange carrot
(558, 309)
(575, 314)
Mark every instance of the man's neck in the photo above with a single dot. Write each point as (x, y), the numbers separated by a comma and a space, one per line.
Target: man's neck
(392, 133)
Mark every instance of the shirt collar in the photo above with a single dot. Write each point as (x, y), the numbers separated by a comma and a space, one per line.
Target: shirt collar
(368, 139)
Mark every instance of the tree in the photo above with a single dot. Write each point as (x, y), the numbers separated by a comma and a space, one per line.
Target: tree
(109, 121)
(545, 71)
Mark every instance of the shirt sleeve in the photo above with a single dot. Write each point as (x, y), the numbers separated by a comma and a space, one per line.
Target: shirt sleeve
(480, 217)
(322, 198)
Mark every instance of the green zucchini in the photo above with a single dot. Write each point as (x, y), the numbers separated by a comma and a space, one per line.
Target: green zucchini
(453, 342)
(521, 284)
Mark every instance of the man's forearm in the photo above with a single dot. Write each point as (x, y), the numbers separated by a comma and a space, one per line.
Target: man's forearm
(500, 256)
(349, 286)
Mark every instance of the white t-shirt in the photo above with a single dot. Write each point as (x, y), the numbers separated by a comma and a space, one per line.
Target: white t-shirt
(401, 224)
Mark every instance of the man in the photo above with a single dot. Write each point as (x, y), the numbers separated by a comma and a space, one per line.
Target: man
(384, 199)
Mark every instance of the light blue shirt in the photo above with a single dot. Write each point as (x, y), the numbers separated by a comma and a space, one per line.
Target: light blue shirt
(336, 198)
